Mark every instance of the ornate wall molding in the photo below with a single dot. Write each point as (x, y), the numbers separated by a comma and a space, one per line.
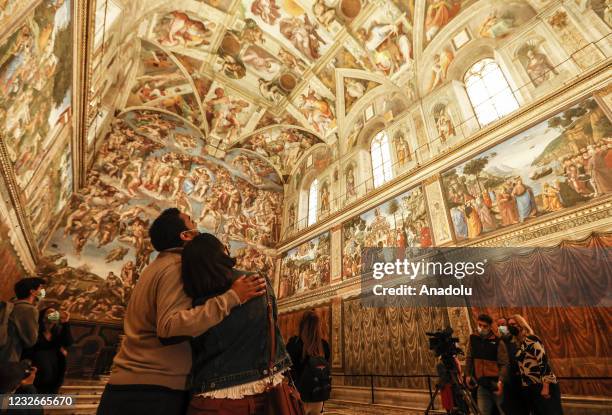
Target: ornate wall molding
(83, 40)
(19, 219)
(579, 222)
(547, 231)
(16, 236)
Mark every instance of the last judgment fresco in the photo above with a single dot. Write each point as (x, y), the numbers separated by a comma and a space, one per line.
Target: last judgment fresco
(149, 162)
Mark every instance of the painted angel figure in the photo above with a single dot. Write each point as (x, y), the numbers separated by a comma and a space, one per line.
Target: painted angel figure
(303, 35)
(317, 111)
(186, 31)
(439, 13)
(268, 10)
(262, 62)
(440, 67)
(325, 15)
(376, 34)
(354, 88)
(270, 90)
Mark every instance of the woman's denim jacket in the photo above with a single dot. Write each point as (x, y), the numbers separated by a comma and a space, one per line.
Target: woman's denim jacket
(237, 350)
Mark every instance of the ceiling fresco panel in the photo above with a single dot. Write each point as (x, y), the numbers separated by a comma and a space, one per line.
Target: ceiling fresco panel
(36, 85)
(295, 26)
(438, 13)
(227, 114)
(180, 30)
(387, 37)
(158, 77)
(269, 119)
(282, 146)
(223, 5)
(185, 106)
(316, 105)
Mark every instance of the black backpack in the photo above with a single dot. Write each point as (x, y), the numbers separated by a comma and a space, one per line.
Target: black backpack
(315, 381)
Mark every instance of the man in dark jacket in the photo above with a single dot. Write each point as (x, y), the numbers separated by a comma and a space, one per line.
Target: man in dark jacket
(23, 322)
(487, 363)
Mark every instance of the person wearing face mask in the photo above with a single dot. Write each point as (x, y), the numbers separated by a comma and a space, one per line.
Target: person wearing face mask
(22, 325)
(512, 404)
(49, 353)
(487, 365)
(540, 385)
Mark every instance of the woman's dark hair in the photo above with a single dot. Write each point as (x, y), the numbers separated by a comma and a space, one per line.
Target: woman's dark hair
(165, 232)
(310, 333)
(206, 267)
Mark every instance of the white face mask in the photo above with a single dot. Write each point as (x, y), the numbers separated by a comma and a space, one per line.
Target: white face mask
(54, 316)
(503, 330)
(41, 294)
(483, 332)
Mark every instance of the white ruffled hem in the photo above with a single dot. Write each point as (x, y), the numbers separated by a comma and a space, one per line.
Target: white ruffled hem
(246, 389)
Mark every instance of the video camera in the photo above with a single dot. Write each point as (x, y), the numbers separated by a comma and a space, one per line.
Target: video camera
(443, 344)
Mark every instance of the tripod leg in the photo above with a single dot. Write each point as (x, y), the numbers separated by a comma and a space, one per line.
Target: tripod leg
(432, 400)
(470, 403)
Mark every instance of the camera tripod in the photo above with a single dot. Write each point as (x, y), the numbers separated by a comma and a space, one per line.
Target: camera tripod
(462, 398)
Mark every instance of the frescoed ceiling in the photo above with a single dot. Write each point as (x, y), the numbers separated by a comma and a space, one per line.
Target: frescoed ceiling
(233, 67)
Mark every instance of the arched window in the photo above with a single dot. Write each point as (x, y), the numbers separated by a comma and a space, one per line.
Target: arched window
(381, 159)
(489, 91)
(313, 195)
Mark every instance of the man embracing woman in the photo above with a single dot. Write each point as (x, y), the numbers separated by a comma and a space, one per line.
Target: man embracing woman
(200, 336)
